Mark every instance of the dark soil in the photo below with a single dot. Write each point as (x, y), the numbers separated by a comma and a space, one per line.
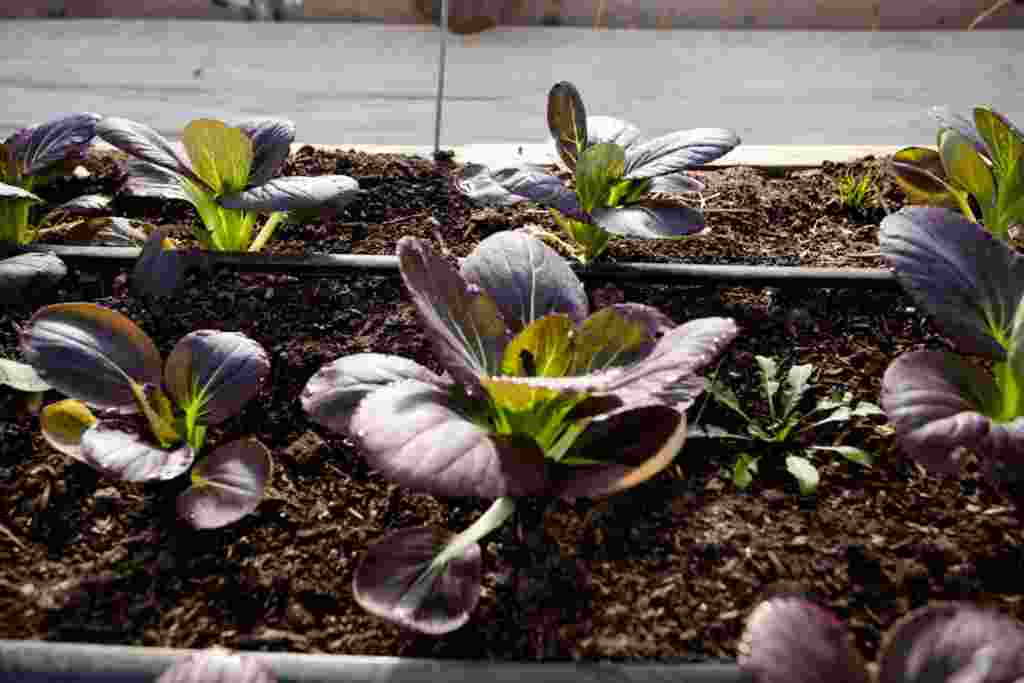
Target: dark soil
(666, 571)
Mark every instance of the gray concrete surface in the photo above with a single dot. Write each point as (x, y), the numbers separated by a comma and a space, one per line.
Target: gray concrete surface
(365, 83)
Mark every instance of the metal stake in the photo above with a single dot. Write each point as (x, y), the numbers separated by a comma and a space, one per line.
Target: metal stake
(440, 77)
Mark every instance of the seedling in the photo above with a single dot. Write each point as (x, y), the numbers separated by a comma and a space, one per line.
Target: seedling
(133, 418)
(32, 157)
(789, 639)
(978, 169)
(785, 429)
(856, 193)
(540, 398)
(227, 174)
(614, 171)
(939, 403)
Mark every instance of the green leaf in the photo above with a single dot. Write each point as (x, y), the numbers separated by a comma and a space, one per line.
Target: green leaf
(769, 384)
(724, 395)
(542, 349)
(221, 155)
(861, 457)
(589, 239)
(744, 470)
(759, 432)
(1005, 145)
(606, 339)
(965, 168)
(804, 472)
(797, 382)
(599, 168)
(628, 191)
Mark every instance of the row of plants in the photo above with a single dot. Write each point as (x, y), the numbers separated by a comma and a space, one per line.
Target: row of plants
(540, 396)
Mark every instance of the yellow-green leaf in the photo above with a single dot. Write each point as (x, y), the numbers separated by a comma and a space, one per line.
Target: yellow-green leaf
(63, 424)
(221, 155)
(542, 349)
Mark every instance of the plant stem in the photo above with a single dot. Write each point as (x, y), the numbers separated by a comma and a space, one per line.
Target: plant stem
(267, 231)
(500, 510)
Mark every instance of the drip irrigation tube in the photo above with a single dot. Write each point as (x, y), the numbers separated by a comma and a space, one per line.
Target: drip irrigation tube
(45, 662)
(327, 265)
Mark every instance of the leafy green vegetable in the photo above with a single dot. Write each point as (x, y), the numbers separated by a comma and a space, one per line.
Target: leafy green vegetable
(613, 173)
(540, 398)
(978, 169)
(132, 417)
(785, 429)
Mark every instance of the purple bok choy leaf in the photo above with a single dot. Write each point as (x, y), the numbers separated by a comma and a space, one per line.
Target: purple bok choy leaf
(227, 173)
(29, 272)
(131, 417)
(614, 171)
(973, 285)
(540, 398)
(788, 639)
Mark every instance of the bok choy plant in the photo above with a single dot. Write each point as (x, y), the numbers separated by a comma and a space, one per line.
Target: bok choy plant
(789, 639)
(134, 418)
(227, 173)
(540, 398)
(978, 169)
(32, 157)
(941, 404)
(614, 171)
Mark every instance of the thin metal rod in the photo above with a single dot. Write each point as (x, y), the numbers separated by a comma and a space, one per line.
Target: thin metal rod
(332, 265)
(442, 64)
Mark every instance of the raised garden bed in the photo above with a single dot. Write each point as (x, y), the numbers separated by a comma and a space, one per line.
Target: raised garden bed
(664, 573)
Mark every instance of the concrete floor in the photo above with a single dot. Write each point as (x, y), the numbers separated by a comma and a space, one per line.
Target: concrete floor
(368, 83)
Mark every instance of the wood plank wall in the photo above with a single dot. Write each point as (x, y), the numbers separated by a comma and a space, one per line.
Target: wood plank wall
(470, 15)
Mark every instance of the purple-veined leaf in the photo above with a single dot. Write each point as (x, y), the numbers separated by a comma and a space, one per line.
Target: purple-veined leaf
(222, 370)
(540, 187)
(123, 449)
(952, 642)
(90, 353)
(675, 183)
(920, 173)
(86, 205)
(160, 269)
(13, 193)
(1003, 452)
(678, 151)
(947, 118)
(329, 193)
(142, 142)
(334, 392)
(416, 436)
(937, 403)
(475, 181)
(227, 485)
(635, 443)
(271, 143)
(971, 282)
(47, 143)
(526, 279)
(788, 639)
(144, 179)
(219, 154)
(607, 129)
(33, 270)
(650, 221)
(63, 423)
(567, 122)
(462, 321)
(395, 581)
(212, 666)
